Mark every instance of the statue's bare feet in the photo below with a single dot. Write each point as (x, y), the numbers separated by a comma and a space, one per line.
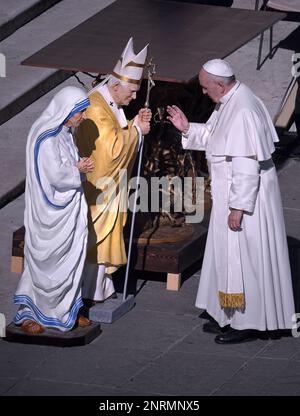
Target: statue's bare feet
(82, 321)
(32, 327)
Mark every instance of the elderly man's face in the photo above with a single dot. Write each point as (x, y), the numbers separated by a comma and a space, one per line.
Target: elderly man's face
(124, 94)
(215, 90)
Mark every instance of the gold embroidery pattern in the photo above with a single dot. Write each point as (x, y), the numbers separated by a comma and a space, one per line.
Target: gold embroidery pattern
(232, 300)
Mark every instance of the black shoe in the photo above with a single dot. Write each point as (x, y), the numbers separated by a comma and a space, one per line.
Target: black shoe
(214, 328)
(234, 336)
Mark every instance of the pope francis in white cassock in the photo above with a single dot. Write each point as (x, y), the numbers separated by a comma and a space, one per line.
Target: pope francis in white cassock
(245, 280)
(49, 292)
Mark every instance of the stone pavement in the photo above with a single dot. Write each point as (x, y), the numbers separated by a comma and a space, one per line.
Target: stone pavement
(17, 13)
(158, 348)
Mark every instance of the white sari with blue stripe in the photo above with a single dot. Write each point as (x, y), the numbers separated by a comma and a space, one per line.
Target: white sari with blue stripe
(55, 219)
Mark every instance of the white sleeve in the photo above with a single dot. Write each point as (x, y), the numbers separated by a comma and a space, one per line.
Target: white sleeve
(60, 174)
(196, 137)
(245, 183)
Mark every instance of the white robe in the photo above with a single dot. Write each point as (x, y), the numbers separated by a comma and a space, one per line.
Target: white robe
(238, 139)
(55, 219)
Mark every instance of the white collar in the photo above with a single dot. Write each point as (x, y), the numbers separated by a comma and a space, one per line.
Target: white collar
(104, 91)
(229, 94)
(118, 111)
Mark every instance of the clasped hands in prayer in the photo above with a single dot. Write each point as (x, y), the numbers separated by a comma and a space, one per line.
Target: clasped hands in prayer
(86, 165)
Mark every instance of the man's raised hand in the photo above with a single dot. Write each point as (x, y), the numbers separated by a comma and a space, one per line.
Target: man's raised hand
(178, 118)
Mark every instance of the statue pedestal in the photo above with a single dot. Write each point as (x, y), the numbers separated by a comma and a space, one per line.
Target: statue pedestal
(76, 337)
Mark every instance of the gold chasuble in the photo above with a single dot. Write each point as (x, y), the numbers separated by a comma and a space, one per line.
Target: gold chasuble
(113, 150)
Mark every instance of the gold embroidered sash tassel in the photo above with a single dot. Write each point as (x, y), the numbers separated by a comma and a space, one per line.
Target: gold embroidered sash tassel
(232, 300)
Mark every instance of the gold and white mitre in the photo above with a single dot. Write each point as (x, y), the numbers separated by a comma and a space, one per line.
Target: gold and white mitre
(130, 66)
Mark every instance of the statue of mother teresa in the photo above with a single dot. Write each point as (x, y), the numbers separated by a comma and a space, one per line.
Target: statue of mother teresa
(49, 292)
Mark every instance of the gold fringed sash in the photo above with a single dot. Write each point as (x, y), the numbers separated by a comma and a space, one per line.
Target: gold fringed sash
(232, 300)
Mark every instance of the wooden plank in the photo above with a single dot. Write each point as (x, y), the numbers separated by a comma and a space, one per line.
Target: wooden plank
(18, 242)
(173, 281)
(171, 257)
(17, 264)
(177, 32)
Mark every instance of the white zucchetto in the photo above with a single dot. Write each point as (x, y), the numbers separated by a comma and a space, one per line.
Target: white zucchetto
(218, 67)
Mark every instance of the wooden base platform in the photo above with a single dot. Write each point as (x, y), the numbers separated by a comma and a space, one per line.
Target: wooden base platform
(76, 337)
(171, 258)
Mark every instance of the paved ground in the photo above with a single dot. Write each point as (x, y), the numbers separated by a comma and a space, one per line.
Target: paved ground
(158, 348)
(16, 13)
